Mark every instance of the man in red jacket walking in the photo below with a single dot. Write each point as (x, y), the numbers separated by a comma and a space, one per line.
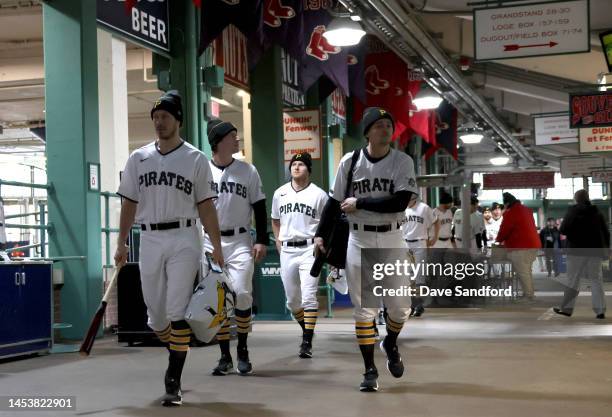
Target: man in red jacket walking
(519, 236)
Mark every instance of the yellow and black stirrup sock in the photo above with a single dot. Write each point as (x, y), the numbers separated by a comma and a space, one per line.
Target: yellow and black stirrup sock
(243, 324)
(164, 335)
(366, 337)
(179, 346)
(223, 337)
(310, 321)
(393, 330)
(299, 317)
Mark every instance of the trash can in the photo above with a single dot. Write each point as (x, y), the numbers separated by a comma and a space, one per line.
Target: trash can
(269, 300)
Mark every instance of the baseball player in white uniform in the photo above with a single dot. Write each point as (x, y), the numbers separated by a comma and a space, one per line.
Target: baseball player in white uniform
(165, 188)
(383, 181)
(419, 220)
(493, 221)
(240, 194)
(477, 226)
(443, 222)
(296, 210)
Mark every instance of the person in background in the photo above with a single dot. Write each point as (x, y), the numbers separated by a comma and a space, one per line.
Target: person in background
(588, 242)
(492, 221)
(550, 238)
(518, 235)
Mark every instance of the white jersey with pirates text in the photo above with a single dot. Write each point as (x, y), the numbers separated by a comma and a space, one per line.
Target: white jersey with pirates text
(167, 187)
(238, 186)
(419, 219)
(375, 178)
(445, 220)
(299, 212)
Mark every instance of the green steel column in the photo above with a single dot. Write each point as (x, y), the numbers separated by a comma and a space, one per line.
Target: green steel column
(71, 103)
(267, 122)
(183, 66)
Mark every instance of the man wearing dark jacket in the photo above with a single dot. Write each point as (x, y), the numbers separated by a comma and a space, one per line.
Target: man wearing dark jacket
(588, 240)
(551, 240)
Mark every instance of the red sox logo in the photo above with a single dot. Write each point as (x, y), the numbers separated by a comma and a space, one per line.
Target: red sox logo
(274, 11)
(352, 59)
(373, 81)
(318, 47)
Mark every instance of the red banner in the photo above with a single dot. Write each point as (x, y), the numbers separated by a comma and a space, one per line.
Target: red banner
(591, 110)
(230, 52)
(527, 179)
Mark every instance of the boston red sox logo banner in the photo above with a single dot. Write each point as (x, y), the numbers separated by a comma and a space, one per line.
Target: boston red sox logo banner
(282, 25)
(246, 15)
(356, 70)
(387, 85)
(319, 58)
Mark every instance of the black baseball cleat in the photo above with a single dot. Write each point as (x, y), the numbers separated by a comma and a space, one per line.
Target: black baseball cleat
(369, 383)
(244, 365)
(173, 396)
(394, 361)
(224, 366)
(563, 313)
(600, 316)
(418, 311)
(305, 350)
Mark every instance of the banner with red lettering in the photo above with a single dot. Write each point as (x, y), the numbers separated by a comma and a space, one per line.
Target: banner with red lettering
(230, 52)
(591, 110)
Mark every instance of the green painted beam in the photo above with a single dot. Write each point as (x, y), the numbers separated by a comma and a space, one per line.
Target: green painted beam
(267, 122)
(71, 103)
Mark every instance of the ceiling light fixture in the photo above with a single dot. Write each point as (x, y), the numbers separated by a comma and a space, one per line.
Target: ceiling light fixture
(427, 99)
(499, 160)
(471, 137)
(343, 31)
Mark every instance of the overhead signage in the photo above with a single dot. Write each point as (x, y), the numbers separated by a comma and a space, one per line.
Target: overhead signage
(596, 139)
(591, 109)
(602, 175)
(581, 166)
(302, 133)
(146, 23)
(553, 130)
(292, 96)
(230, 52)
(536, 29)
(510, 180)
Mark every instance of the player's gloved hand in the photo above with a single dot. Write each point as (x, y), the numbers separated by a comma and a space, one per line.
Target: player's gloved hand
(121, 254)
(217, 256)
(318, 246)
(259, 251)
(349, 205)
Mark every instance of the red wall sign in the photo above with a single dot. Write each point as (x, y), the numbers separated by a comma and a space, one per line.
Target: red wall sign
(509, 180)
(230, 52)
(591, 110)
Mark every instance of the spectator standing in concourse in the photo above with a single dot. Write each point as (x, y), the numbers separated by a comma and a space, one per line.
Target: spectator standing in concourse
(588, 242)
(550, 238)
(518, 235)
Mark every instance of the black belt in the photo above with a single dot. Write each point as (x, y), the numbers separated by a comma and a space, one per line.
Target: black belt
(232, 232)
(298, 243)
(413, 240)
(379, 228)
(166, 226)
(443, 239)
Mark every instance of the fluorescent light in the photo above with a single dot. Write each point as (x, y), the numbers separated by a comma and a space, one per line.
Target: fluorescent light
(356, 18)
(471, 138)
(222, 101)
(499, 160)
(241, 93)
(343, 32)
(427, 99)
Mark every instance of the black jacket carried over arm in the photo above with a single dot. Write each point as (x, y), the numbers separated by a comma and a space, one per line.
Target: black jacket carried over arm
(585, 227)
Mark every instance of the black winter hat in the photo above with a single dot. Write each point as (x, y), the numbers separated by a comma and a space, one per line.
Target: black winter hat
(303, 157)
(509, 199)
(170, 101)
(446, 198)
(217, 129)
(371, 115)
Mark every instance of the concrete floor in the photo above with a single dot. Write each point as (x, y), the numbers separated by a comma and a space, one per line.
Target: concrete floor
(495, 361)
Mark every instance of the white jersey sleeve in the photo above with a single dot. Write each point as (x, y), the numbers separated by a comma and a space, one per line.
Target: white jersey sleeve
(275, 203)
(204, 185)
(404, 178)
(339, 189)
(128, 187)
(255, 187)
